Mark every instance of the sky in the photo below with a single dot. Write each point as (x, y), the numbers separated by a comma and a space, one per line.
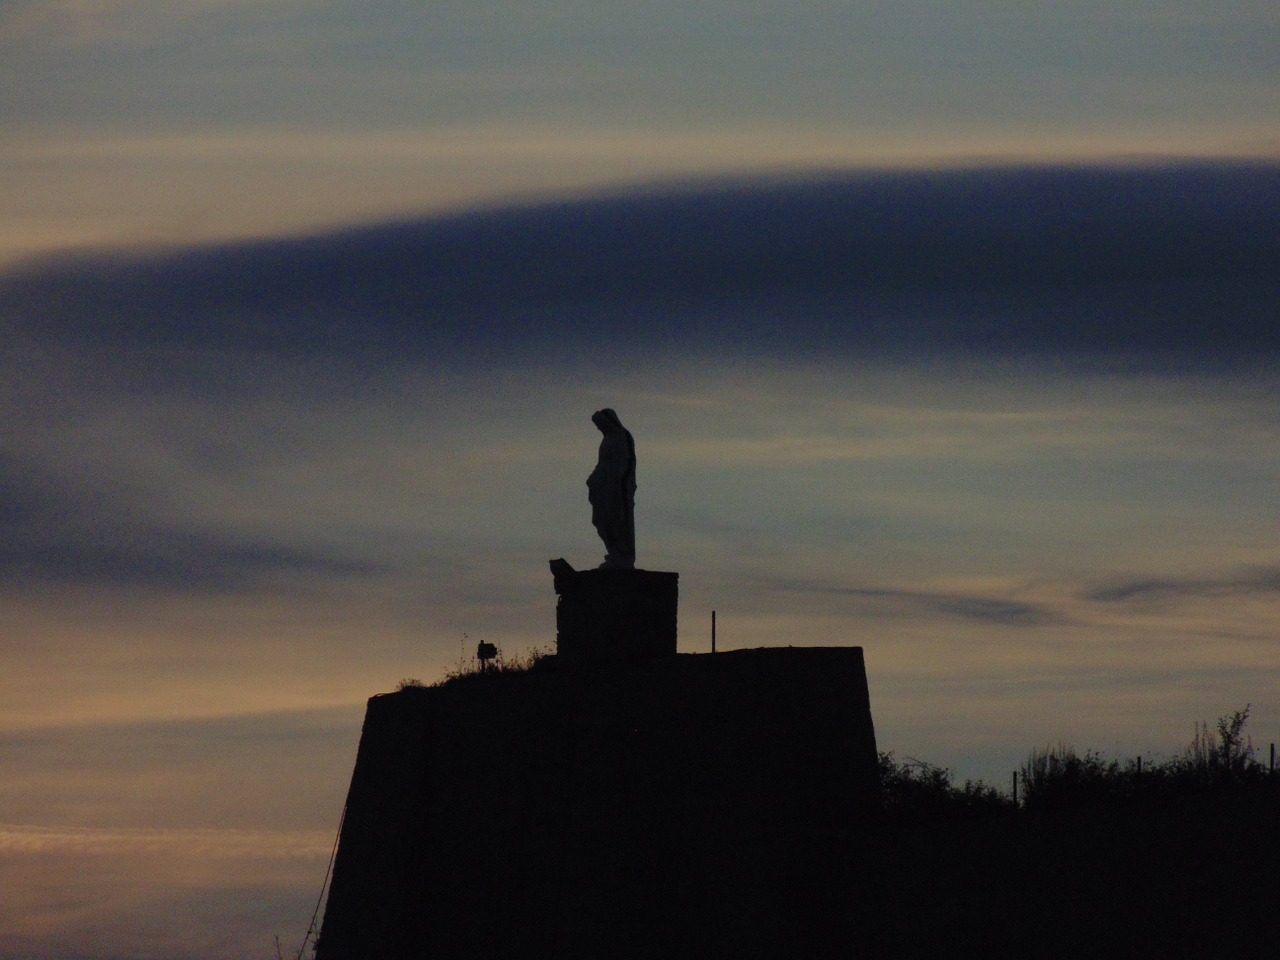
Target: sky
(945, 330)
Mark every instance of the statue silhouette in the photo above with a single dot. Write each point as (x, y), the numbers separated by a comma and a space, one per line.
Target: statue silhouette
(611, 488)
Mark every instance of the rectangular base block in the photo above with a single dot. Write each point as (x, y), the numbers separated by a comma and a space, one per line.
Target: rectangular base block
(608, 615)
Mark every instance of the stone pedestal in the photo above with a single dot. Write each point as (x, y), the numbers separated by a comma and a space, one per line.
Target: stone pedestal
(605, 616)
(682, 807)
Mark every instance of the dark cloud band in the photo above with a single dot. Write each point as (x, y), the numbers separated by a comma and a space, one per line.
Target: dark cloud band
(1151, 265)
(994, 610)
(1170, 589)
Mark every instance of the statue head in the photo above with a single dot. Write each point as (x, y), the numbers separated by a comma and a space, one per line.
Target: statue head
(607, 421)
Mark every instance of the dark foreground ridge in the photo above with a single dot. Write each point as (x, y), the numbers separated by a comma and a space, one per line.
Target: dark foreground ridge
(665, 807)
(693, 807)
(619, 800)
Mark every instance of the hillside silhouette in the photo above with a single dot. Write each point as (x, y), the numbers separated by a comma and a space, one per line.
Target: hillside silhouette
(1097, 858)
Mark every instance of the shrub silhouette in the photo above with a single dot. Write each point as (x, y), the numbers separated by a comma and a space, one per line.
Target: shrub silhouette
(1059, 777)
(913, 790)
(1228, 759)
(475, 670)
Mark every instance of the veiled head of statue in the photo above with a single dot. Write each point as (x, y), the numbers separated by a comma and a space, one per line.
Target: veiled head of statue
(606, 420)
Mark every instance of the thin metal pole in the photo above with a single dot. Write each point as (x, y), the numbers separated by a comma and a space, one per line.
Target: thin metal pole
(713, 641)
(1015, 788)
(1273, 758)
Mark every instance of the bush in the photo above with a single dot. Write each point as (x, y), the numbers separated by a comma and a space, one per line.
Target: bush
(1059, 777)
(915, 791)
(1225, 761)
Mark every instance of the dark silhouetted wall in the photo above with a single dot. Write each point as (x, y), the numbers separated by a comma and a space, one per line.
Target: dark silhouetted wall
(649, 809)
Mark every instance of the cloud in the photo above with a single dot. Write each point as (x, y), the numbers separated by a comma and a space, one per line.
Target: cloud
(1170, 590)
(894, 602)
(123, 25)
(183, 560)
(195, 843)
(216, 781)
(140, 839)
(53, 529)
(1145, 266)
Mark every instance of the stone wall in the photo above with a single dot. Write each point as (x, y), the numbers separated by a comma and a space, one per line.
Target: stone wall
(647, 810)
